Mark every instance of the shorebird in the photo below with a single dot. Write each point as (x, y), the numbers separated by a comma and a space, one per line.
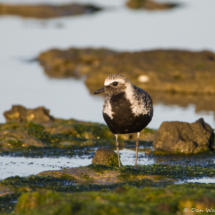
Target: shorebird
(127, 108)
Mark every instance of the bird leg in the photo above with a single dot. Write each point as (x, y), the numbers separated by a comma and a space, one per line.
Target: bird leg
(137, 145)
(117, 147)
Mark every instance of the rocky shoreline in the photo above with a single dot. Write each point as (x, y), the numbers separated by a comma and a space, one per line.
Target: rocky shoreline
(57, 137)
(171, 71)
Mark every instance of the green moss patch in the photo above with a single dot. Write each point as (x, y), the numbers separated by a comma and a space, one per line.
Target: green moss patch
(8, 202)
(125, 200)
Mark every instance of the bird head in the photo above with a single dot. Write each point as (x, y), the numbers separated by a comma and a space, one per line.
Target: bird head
(115, 84)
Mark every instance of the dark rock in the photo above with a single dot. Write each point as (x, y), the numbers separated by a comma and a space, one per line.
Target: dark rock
(19, 113)
(150, 5)
(47, 11)
(106, 157)
(182, 137)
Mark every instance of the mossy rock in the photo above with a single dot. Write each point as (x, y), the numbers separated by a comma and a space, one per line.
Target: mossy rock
(19, 113)
(125, 200)
(106, 156)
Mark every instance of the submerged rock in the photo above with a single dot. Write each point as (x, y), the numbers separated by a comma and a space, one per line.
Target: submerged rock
(105, 156)
(18, 113)
(47, 11)
(171, 71)
(182, 137)
(150, 5)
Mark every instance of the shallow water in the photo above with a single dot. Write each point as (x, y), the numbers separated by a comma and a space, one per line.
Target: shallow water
(21, 82)
(27, 166)
(206, 180)
(23, 39)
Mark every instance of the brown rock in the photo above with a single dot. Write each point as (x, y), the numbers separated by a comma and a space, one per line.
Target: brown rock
(72, 62)
(4, 190)
(19, 113)
(182, 137)
(83, 175)
(105, 156)
(47, 11)
(166, 71)
(12, 138)
(150, 5)
(170, 71)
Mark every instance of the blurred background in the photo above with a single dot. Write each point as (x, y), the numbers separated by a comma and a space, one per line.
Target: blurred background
(117, 27)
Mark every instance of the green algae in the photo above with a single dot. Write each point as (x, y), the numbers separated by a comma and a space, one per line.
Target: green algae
(57, 138)
(67, 184)
(125, 200)
(113, 161)
(15, 143)
(7, 202)
(202, 150)
(162, 175)
(149, 130)
(164, 171)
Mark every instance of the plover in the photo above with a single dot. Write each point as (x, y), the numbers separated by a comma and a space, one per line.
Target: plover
(127, 108)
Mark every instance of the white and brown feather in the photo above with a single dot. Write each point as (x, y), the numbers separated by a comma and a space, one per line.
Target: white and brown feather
(127, 109)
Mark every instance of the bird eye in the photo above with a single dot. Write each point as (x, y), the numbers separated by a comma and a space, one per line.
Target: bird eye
(115, 83)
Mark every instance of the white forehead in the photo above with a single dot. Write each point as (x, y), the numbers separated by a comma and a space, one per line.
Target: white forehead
(109, 81)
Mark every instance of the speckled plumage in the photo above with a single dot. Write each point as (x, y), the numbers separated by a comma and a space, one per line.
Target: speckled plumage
(127, 108)
(119, 109)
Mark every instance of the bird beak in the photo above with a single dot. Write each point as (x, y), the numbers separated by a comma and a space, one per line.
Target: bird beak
(101, 90)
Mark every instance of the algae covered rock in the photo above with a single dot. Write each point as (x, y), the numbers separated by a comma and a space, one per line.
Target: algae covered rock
(10, 139)
(150, 5)
(182, 137)
(170, 200)
(47, 11)
(19, 113)
(105, 156)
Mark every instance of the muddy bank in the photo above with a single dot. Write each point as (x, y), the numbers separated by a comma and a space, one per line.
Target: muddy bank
(171, 71)
(43, 11)
(150, 5)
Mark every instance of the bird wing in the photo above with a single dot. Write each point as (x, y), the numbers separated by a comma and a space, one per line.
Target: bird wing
(144, 98)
